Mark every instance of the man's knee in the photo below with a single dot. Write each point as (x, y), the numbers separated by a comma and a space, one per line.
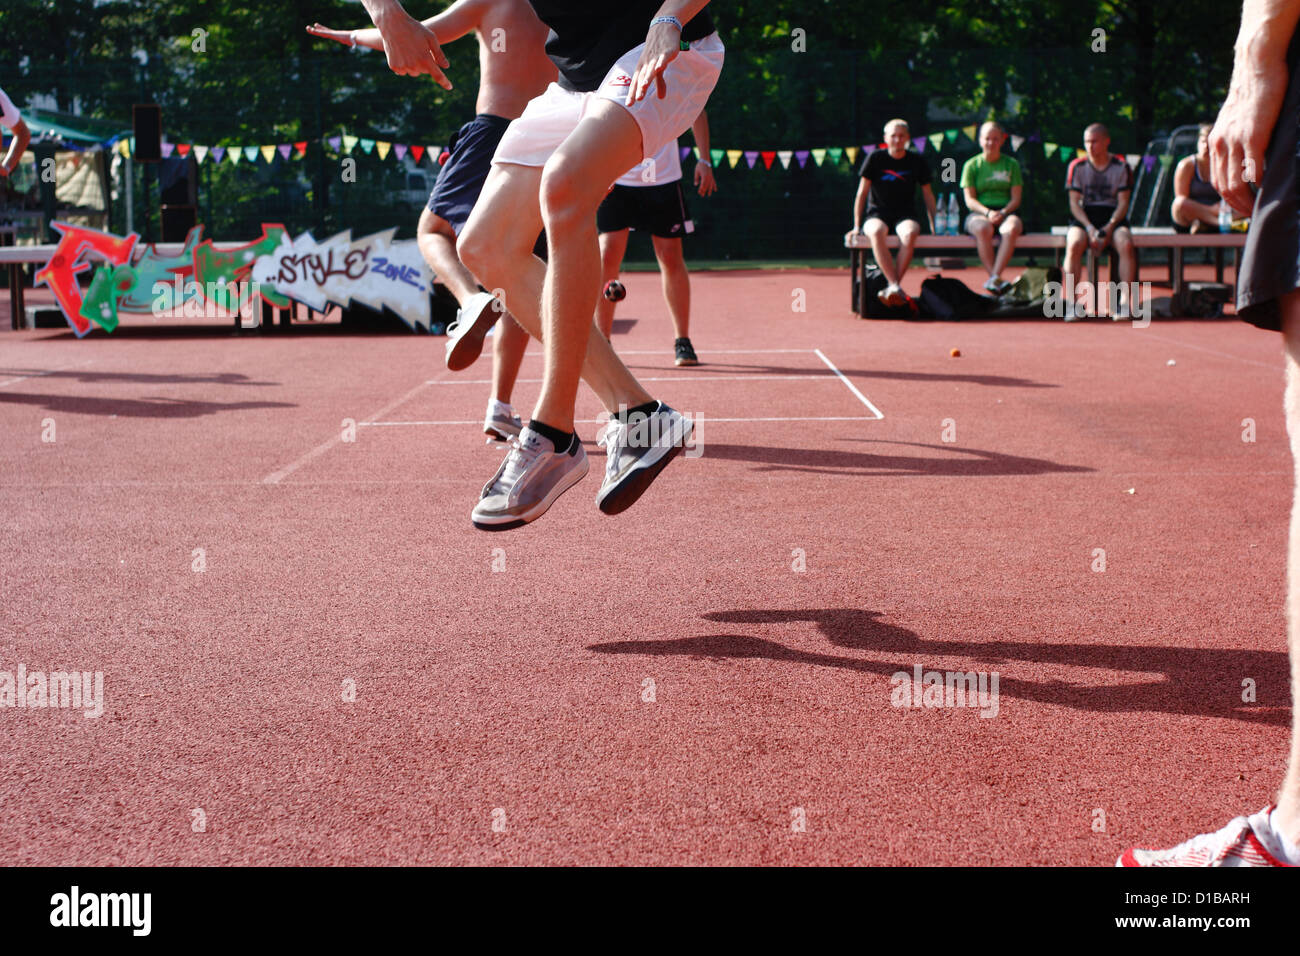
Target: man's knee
(875, 229)
(567, 193)
(907, 232)
(669, 254)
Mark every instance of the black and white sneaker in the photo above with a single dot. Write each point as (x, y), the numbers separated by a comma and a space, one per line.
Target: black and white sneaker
(685, 355)
(635, 453)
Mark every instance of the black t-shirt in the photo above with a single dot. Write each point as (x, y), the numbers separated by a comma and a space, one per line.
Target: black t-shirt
(894, 182)
(587, 39)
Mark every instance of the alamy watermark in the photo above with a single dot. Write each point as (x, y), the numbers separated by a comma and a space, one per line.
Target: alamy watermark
(658, 431)
(79, 690)
(923, 688)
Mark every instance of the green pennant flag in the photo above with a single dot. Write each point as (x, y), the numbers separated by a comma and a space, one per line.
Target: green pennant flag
(1049, 149)
(951, 135)
(1166, 161)
(717, 156)
(367, 146)
(835, 153)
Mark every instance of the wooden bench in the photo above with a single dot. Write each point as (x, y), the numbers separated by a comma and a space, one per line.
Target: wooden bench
(1144, 237)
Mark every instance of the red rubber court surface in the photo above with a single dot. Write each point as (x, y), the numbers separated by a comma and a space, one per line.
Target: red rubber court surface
(706, 678)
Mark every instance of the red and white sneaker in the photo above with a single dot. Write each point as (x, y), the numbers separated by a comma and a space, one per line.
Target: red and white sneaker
(1237, 844)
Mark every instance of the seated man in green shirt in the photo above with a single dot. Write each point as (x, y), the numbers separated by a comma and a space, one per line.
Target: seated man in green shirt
(992, 186)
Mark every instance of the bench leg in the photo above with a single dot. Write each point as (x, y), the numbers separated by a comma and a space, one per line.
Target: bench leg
(1218, 265)
(854, 279)
(1177, 254)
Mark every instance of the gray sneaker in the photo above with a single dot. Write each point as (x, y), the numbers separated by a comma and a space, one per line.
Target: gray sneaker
(532, 476)
(500, 426)
(465, 335)
(635, 453)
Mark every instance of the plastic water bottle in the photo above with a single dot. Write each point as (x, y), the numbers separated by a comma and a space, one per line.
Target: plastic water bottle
(940, 218)
(954, 215)
(1225, 217)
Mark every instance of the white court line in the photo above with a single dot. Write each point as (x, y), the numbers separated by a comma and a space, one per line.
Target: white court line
(61, 368)
(684, 377)
(601, 421)
(714, 352)
(275, 477)
(852, 388)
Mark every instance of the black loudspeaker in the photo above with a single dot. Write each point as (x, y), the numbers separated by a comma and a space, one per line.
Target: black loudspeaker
(146, 123)
(178, 179)
(177, 221)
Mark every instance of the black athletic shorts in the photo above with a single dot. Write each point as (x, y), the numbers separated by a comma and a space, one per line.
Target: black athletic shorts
(461, 178)
(1270, 265)
(659, 210)
(890, 219)
(1099, 216)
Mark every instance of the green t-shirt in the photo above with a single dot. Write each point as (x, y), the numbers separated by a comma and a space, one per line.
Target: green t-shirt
(992, 181)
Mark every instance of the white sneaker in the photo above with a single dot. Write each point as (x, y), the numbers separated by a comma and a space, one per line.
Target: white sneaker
(465, 335)
(501, 423)
(636, 452)
(532, 476)
(1237, 844)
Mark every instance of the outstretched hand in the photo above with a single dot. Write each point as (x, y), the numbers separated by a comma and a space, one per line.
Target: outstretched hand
(412, 49)
(325, 33)
(662, 45)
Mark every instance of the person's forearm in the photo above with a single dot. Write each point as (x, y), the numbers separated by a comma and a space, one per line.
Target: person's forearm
(369, 37)
(859, 204)
(700, 130)
(1266, 29)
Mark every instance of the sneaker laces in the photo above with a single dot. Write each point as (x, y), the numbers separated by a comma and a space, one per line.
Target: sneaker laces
(609, 438)
(522, 455)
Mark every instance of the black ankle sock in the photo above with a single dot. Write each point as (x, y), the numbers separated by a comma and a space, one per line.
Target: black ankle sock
(563, 441)
(648, 409)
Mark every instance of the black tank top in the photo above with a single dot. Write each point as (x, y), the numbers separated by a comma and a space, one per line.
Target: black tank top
(586, 39)
(1201, 191)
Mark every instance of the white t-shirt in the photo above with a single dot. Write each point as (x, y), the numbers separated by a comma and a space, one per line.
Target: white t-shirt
(666, 168)
(9, 114)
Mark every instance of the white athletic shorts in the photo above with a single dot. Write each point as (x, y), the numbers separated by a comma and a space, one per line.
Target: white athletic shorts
(549, 118)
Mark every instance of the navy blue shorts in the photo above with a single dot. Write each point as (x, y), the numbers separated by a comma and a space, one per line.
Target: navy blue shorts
(461, 178)
(1270, 264)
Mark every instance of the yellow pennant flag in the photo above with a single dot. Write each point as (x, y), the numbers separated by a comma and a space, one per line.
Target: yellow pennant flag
(348, 142)
(971, 131)
(268, 152)
(819, 156)
(936, 140)
(733, 157)
(382, 148)
(852, 153)
(1081, 153)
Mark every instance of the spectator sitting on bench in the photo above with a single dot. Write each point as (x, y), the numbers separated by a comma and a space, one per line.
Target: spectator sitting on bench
(888, 191)
(1196, 201)
(1100, 186)
(992, 186)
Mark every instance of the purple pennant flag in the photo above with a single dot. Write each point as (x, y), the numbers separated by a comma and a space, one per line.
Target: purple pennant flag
(335, 142)
(868, 150)
(801, 155)
(218, 153)
(751, 157)
(919, 143)
(686, 153)
(167, 149)
(283, 149)
(1149, 163)
(399, 149)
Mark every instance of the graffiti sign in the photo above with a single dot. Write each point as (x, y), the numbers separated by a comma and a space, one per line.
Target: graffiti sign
(203, 281)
